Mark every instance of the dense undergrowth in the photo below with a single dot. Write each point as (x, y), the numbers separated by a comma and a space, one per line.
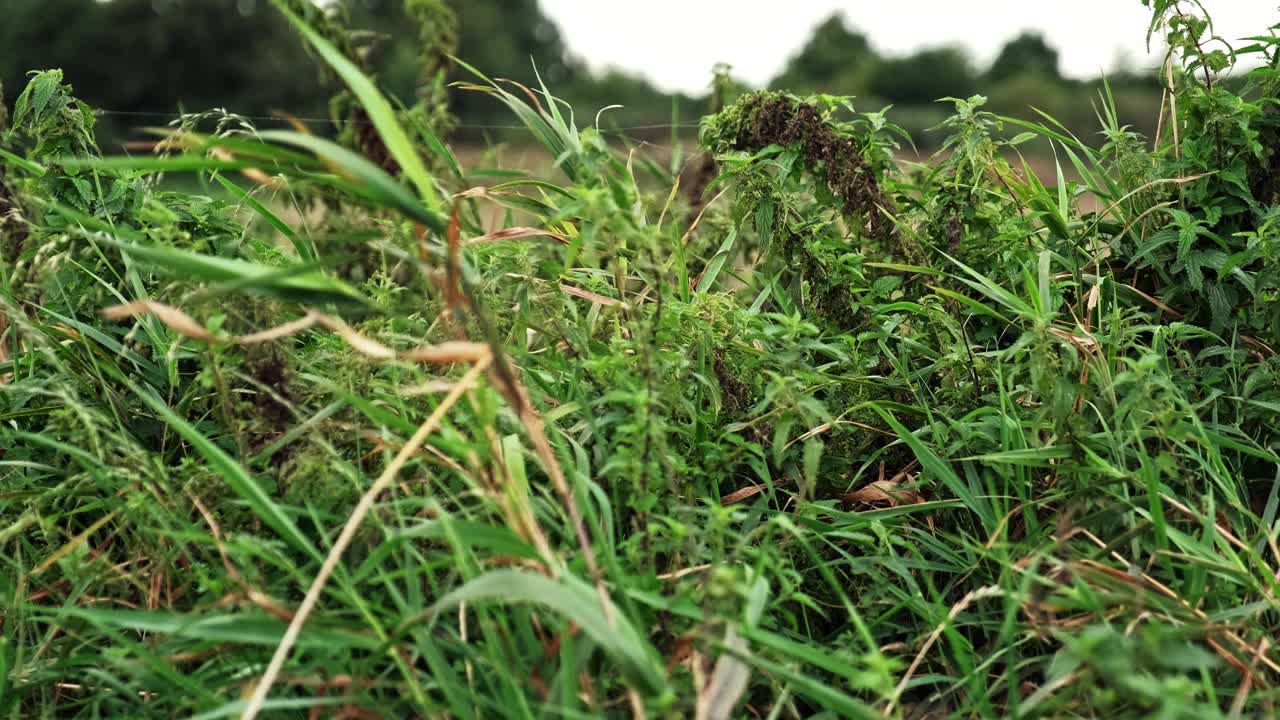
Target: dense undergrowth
(829, 434)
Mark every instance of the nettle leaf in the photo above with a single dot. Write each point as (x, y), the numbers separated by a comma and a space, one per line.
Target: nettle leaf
(35, 99)
(1186, 239)
(1221, 303)
(1194, 274)
(1217, 61)
(1212, 259)
(1247, 280)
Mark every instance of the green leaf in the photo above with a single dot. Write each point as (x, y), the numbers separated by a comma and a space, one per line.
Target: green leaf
(305, 287)
(1027, 457)
(31, 167)
(935, 467)
(717, 262)
(177, 163)
(576, 602)
(238, 628)
(376, 106)
(370, 181)
(304, 251)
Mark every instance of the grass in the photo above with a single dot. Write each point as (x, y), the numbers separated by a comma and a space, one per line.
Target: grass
(811, 432)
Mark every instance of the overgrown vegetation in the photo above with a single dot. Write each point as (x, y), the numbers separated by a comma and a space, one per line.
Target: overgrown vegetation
(839, 436)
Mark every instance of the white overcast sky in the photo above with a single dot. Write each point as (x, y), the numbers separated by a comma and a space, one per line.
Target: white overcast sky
(675, 43)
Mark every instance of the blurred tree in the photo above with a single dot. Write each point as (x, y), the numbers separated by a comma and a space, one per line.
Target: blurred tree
(155, 55)
(925, 77)
(501, 38)
(836, 60)
(1027, 54)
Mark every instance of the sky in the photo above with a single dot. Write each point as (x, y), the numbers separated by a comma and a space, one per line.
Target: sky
(675, 43)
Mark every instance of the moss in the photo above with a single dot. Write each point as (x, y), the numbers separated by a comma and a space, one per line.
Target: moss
(820, 261)
(764, 118)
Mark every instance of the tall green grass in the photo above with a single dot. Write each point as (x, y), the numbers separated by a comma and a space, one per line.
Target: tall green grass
(809, 433)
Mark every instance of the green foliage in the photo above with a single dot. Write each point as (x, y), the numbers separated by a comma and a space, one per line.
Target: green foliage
(871, 438)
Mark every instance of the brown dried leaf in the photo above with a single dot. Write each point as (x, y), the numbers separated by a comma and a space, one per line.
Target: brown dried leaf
(884, 492)
(745, 493)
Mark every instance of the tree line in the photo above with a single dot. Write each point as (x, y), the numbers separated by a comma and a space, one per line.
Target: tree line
(156, 56)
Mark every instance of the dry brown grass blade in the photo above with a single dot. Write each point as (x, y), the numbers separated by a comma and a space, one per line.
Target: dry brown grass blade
(183, 324)
(297, 125)
(532, 97)
(685, 572)
(1246, 683)
(361, 344)
(965, 602)
(75, 542)
(1144, 581)
(1254, 342)
(446, 353)
(362, 509)
(504, 378)
(593, 297)
(515, 233)
(255, 596)
(1153, 300)
(694, 225)
(306, 322)
(253, 174)
(172, 317)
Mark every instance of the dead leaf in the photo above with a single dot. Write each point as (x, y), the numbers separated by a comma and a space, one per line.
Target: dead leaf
(884, 492)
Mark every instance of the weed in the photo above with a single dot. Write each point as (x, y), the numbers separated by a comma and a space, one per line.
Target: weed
(865, 438)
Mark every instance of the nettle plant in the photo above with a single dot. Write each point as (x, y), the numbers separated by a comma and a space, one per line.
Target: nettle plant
(1217, 248)
(836, 434)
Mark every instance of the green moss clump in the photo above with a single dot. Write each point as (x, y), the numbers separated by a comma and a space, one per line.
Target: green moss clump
(766, 118)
